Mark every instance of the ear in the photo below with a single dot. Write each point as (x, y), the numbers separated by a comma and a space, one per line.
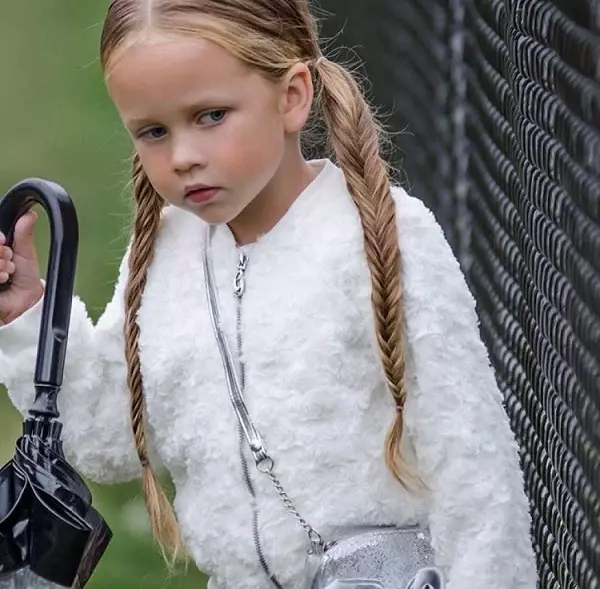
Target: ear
(297, 97)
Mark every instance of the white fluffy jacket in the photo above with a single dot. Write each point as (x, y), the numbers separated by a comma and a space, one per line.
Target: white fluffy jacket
(315, 388)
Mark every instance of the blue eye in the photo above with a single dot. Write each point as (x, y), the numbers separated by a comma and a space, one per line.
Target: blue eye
(153, 133)
(213, 117)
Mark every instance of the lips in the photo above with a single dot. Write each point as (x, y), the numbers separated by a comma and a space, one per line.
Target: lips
(200, 194)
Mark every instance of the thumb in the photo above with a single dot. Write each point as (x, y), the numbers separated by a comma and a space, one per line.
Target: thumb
(24, 244)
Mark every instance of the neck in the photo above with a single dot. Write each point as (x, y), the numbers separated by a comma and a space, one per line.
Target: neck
(268, 208)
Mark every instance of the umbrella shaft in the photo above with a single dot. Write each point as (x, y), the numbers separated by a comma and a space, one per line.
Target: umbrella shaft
(45, 401)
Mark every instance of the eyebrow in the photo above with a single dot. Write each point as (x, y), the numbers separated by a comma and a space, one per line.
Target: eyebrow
(136, 123)
(206, 103)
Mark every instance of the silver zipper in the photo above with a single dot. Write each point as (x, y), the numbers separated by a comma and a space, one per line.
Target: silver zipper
(239, 288)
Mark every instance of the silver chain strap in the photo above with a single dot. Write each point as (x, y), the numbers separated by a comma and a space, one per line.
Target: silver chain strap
(263, 460)
(313, 536)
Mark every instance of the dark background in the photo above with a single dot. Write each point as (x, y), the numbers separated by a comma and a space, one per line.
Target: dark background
(500, 104)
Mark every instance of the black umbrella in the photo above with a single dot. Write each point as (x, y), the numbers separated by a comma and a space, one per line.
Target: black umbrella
(50, 535)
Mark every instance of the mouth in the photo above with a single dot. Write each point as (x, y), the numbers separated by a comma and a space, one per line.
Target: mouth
(199, 193)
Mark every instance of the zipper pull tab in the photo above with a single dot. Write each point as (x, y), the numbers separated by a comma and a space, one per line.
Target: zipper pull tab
(239, 282)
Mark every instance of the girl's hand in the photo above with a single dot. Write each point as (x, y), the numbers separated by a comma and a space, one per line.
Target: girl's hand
(21, 263)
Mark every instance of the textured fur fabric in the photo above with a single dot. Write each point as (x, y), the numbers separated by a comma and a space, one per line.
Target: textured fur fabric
(315, 388)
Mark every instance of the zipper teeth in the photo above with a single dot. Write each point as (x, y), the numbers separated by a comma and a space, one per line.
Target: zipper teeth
(257, 545)
(239, 290)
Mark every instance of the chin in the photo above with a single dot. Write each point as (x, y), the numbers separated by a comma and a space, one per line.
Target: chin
(213, 215)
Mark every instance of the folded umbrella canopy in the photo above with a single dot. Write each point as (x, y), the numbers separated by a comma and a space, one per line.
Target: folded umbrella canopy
(50, 535)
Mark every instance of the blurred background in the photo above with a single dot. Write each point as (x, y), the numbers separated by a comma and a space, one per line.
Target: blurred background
(58, 123)
(494, 106)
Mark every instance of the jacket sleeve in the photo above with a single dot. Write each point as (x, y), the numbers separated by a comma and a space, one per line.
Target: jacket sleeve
(94, 399)
(466, 451)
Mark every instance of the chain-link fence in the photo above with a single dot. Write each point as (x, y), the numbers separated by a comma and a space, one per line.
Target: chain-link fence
(501, 101)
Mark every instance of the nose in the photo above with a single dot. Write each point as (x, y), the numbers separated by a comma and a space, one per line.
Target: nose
(187, 153)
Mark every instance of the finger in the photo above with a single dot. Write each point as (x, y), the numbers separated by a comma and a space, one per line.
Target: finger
(24, 243)
(7, 267)
(7, 253)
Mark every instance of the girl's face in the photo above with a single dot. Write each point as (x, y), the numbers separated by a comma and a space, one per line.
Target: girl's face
(209, 131)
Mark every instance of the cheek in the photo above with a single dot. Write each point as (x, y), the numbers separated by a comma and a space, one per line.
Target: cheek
(156, 166)
(253, 149)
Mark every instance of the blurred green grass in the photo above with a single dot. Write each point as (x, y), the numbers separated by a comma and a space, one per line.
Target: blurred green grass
(58, 123)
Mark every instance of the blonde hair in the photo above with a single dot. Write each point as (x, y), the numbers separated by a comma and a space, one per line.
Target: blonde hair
(270, 35)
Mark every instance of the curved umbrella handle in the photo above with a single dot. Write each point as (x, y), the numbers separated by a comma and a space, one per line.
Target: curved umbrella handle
(60, 279)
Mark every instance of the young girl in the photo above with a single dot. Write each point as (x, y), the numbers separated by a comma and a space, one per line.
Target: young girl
(355, 318)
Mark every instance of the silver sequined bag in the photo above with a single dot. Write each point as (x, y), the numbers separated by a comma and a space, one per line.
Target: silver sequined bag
(386, 557)
(374, 557)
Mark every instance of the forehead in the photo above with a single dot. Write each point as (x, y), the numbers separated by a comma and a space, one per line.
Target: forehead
(155, 71)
